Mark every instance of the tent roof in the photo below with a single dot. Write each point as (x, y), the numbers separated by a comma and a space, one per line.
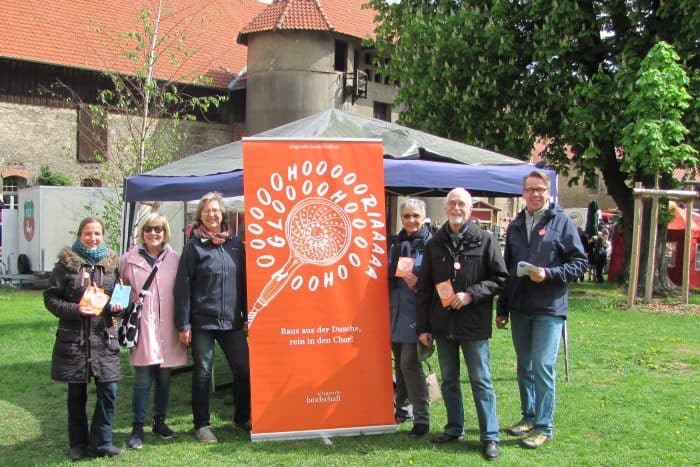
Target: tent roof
(399, 143)
(679, 221)
(415, 163)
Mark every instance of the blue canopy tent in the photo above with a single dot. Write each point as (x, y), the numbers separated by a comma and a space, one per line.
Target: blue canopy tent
(415, 163)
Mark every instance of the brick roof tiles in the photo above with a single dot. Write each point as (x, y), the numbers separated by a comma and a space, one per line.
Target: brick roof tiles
(341, 16)
(90, 34)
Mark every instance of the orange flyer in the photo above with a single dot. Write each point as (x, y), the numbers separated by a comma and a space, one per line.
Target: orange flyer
(445, 291)
(405, 266)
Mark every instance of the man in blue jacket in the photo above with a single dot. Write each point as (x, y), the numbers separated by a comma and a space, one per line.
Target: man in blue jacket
(464, 264)
(536, 299)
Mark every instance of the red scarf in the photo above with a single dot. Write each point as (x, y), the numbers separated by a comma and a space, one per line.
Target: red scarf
(217, 238)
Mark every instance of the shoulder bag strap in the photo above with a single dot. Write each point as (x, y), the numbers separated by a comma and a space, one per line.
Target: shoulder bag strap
(149, 280)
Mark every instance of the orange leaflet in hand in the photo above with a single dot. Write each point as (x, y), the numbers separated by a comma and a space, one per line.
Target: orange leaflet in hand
(445, 291)
(404, 267)
(94, 298)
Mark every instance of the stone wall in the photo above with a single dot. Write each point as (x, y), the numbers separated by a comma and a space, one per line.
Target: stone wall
(33, 135)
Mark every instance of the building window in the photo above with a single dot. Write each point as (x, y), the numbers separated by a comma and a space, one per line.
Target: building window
(92, 136)
(382, 111)
(341, 56)
(10, 185)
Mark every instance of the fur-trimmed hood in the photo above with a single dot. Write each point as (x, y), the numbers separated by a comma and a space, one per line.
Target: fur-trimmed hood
(73, 261)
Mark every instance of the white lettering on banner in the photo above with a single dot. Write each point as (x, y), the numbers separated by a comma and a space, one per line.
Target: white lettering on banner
(324, 397)
(329, 227)
(322, 335)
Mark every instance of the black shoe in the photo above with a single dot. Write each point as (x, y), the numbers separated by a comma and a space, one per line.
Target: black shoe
(78, 452)
(419, 430)
(490, 450)
(161, 429)
(444, 438)
(136, 438)
(109, 451)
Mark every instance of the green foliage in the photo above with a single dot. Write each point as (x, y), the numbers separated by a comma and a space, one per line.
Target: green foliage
(51, 177)
(501, 74)
(654, 140)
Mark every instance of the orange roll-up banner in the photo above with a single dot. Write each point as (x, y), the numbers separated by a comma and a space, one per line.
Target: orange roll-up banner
(320, 351)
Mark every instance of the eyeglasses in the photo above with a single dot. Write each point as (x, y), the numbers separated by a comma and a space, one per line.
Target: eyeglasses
(538, 190)
(153, 228)
(411, 216)
(206, 212)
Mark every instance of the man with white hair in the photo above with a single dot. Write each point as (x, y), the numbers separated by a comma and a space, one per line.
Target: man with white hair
(462, 271)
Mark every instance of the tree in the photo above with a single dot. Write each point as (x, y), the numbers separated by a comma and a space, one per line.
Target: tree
(152, 108)
(143, 109)
(654, 139)
(502, 73)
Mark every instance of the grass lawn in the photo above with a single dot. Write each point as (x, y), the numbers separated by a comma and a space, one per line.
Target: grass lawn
(633, 398)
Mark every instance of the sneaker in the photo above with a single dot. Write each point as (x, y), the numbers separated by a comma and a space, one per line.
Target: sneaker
(490, 450)
(445, 438)
(534, 440)
(109, 451)
(205, 435)
(78, 452)
(162, 430)
(520, 428)
(136, 438)
(419, 430)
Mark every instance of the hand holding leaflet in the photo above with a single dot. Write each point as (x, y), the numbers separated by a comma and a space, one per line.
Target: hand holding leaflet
(445, 292)
(524, 268)
(405, 266)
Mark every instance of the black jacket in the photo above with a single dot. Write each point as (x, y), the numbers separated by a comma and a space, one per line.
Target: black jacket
(482, 273)
(210, 287)
(85, 345)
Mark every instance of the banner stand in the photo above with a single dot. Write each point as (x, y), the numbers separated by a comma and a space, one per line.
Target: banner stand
(323, 434)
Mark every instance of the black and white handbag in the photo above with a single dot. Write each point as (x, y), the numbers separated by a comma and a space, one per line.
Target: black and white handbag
(128, 331)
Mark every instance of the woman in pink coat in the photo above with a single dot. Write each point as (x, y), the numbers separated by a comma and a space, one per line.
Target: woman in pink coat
(158, 349)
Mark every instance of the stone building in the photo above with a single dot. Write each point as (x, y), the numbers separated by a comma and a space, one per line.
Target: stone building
(275, 61)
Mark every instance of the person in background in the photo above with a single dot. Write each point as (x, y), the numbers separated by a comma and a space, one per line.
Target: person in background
(86, 341)
(210, 305)
(537, 303)
(408, 370)
(601, 251)
(464, 262)
(158, 349)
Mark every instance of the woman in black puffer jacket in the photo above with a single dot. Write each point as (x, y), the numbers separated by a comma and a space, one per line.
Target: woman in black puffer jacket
(86, 343)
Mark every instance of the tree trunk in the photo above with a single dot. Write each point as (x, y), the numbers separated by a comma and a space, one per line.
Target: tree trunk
(625, 201)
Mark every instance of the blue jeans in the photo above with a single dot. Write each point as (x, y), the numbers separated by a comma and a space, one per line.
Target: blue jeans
(478, 359)
(101, 429)
(536, 341)
(235, 347)
(144, 376)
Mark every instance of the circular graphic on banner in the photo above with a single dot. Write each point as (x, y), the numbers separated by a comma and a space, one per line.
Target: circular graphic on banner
(326, 222)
